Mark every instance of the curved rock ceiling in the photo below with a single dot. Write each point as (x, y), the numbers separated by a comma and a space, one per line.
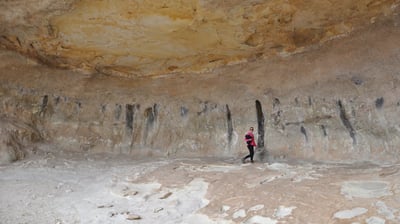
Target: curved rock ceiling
(147, 38)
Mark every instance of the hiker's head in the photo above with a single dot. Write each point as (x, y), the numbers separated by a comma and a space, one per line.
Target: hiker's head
(251, 129)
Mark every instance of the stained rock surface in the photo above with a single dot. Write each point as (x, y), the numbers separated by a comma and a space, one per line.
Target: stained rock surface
(336, 103)
(16, 140)
(146, 38)
(308, 93)
(145, 122)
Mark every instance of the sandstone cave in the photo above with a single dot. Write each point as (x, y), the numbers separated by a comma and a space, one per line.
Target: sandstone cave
(134, 111)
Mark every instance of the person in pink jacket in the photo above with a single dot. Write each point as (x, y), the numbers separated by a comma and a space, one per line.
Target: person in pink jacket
(251, 143)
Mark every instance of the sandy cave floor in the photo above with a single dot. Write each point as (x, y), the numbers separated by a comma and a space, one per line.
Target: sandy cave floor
(72, 188)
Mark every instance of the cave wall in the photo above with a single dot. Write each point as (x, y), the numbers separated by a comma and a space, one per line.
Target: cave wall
(134, 38)
(339, 102)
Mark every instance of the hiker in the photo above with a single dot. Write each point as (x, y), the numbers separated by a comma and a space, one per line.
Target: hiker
(249, 138)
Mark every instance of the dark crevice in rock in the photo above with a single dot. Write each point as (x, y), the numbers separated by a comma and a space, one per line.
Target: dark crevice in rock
(379, 102)
(78, 106)
(118, 111)
(346, 122)
(184, 111)
(129, 117)
(276, 102)
(150, 114)
(103, 108)
(303, 131)
(277, 117)
(260, 122)
(230, 125)
(43, 107)
(57, 100)
(323, 128)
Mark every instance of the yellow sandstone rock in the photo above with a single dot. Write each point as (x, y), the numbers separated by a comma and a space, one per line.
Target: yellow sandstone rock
(137, 37)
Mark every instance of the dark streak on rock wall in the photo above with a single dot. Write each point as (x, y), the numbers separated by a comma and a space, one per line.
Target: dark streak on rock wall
(43, 107)
(184, 111)
(323, 128)
(379, 103)
(304, 132)
(129, 117)
(150, 114)
(260, 123)
(276, 102)
(118, 111)
(229, 122)
(346, 122)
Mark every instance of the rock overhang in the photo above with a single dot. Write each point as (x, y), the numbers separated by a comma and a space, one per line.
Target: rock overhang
(133, 38)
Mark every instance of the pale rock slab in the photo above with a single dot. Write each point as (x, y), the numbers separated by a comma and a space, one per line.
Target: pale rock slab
(348, 214)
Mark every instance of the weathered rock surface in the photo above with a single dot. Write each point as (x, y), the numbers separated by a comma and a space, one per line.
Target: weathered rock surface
(211, 191)
(15, 138)
(336, 103)
(143, 38)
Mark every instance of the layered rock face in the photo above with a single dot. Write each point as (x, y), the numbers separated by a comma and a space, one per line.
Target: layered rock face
(334, 102)
(146, 38)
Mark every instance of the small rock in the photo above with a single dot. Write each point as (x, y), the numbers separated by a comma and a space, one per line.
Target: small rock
(130, 193)
(166, 195)
(283, 211)
(349, 214)
(260, 220)
(133, 217)
(256, 208)
(112, 214)
(157, 210)
(375, 220)
(105, 206)
(239, 214)
(225, 208)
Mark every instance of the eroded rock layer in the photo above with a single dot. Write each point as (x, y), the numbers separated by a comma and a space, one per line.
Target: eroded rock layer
(143, 38)
(336, 103)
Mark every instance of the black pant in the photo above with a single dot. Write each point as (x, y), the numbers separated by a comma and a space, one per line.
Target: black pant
(251, 151)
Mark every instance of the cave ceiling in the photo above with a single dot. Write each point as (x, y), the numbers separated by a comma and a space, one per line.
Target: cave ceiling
(134, 38)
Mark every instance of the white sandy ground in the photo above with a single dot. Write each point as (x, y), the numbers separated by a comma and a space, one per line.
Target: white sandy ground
(77, 188)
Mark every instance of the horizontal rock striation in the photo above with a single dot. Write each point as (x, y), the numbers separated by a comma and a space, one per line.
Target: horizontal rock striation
(337, 103)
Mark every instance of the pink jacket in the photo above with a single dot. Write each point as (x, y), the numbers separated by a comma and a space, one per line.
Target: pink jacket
(251, 139)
